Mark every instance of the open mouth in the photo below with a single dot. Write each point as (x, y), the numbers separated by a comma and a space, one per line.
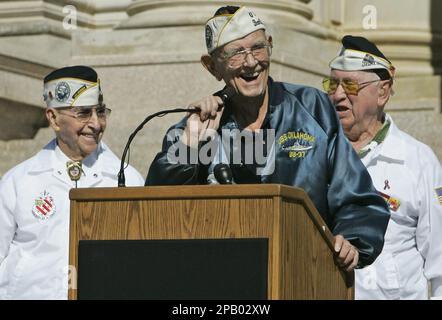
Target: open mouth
(250, 77)
(89, 136)
(341, 108)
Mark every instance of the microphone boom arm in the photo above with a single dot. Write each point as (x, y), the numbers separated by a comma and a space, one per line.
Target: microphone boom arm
(224, 94)
(121, 176)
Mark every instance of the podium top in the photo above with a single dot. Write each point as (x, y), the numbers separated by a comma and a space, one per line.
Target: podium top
(189, 192)
(183, 192)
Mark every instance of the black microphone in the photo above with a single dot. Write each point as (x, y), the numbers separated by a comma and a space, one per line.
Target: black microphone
(223, 173)
(225, 94)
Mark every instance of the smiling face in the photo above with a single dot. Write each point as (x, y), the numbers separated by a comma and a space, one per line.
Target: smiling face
(76, 139)
(248, 78)
(359, 113)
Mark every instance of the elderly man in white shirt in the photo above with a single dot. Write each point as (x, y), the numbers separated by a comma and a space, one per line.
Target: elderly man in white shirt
(34, 200)
(405, 172)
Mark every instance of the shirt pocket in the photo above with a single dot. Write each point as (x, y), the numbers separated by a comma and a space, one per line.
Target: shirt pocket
(381, 280)
(30, 277)
(387, 272)
(12, 269)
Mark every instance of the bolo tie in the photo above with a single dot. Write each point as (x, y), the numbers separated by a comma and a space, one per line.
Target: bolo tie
(74, 170)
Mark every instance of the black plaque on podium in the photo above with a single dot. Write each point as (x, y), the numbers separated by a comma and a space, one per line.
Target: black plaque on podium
(196, 269)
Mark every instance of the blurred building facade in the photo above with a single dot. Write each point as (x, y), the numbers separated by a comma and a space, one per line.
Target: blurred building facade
(147, 53)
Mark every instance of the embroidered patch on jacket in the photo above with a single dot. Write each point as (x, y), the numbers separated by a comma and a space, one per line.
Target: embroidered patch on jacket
(296, 144)
(439, 194)
(393, 203)
(44, 206)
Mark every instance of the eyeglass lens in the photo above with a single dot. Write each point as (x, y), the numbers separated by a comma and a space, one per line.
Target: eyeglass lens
(84, 114)
(259, 52)
(331, 85)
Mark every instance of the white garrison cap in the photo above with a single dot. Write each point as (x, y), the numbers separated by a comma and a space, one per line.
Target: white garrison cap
(71, 87)
(359, 54)
(225, 28)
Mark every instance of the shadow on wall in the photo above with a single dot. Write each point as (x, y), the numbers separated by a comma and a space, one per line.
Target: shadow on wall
(20, 120)
(436, 41)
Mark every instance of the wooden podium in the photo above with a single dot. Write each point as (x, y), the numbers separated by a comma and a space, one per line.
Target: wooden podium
(300, 252)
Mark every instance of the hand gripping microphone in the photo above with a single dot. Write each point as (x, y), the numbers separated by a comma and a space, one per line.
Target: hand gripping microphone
(225, 94)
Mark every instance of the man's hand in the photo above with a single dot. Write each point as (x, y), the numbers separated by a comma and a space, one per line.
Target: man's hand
(203, 124)
(347, 255)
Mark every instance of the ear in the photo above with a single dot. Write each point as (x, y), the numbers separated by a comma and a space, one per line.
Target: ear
(208, 63)
(51, 115)
(384, 93)
(270, 40)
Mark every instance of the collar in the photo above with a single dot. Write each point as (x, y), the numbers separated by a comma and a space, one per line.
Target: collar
(377, 139)
(392, 148)
(43, 159)
(94, 166)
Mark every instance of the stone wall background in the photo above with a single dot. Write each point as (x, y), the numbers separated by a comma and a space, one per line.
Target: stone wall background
(147, 56)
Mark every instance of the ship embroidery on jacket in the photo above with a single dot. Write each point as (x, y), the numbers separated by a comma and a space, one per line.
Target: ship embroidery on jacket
(297, 147)
(296, 144)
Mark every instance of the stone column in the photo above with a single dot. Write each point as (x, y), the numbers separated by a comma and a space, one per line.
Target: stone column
(34, 41)
(154, 13)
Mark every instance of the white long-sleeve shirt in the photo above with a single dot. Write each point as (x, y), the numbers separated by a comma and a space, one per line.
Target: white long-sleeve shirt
(34, 219)
(409, 176)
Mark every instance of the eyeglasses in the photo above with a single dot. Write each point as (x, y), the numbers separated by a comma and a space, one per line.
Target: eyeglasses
(84, 114)
(236, 58)
(350, 86)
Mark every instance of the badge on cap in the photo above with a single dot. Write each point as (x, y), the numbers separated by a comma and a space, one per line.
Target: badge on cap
(368, 61)
(44, 206)
(74, 170)
(209, 37)
(62, 91)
